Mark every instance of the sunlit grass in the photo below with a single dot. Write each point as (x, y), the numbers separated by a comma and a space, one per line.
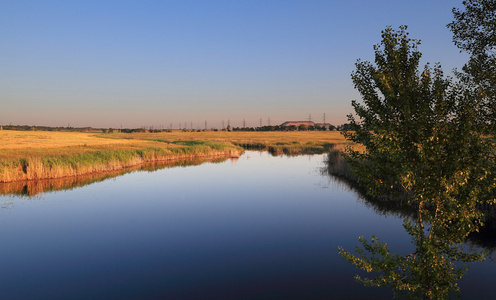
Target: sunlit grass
(266, 137)
(25, 144)
(278, 142)
(38, 154)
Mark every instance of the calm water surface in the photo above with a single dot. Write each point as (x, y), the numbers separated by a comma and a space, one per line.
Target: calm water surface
(260, 227)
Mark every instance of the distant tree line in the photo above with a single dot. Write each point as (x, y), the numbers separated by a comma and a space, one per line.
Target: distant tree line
(46, 128)
(302, 127)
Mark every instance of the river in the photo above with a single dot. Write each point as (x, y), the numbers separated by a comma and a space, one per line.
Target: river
(257, 227)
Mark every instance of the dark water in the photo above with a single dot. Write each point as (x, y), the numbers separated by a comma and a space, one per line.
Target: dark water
(261, 227)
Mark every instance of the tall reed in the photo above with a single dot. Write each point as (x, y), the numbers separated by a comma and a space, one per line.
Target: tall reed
(32, 168)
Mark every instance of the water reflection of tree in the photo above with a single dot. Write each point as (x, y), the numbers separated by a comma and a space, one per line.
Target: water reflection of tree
(429, 272)
(432, 270)
(337, 169)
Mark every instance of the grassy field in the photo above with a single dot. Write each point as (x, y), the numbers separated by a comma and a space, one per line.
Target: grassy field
(27, 155)
(33, 155)
(278, 142)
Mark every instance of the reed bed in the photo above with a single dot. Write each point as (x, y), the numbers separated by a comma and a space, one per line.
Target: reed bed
(34, 168)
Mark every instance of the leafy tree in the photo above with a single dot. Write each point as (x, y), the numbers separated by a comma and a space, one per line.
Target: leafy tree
(343, 127)
(474, 31)
(424, 143)
(303, 127)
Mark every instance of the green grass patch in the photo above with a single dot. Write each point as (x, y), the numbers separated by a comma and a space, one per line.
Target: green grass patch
(199, 144)
(158, 140)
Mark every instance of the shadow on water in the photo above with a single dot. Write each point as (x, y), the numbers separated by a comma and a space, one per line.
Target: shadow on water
(442, 248)
(33, 188)
(336, 168)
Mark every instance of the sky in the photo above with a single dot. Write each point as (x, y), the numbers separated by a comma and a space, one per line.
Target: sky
(164, 63)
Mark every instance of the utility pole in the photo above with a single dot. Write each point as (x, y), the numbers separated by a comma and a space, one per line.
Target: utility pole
(324, 119)
(191, 125)
(268, 121)
(310, 117)
(244, 123)
(205, 124)
(260, 122)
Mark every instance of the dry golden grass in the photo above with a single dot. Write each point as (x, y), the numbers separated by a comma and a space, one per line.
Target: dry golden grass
(33, 155)
(296, 140)
(49, 139)
(23, 144)
(266, 137)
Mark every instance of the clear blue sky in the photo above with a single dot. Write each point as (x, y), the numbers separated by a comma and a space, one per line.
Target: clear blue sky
(107, 63)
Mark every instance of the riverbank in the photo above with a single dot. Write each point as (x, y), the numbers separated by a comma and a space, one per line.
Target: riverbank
(31, 188)
(35, 155)
(48, 155)
(101, 161)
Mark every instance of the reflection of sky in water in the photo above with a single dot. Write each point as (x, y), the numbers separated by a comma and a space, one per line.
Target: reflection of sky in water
(258, 227)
